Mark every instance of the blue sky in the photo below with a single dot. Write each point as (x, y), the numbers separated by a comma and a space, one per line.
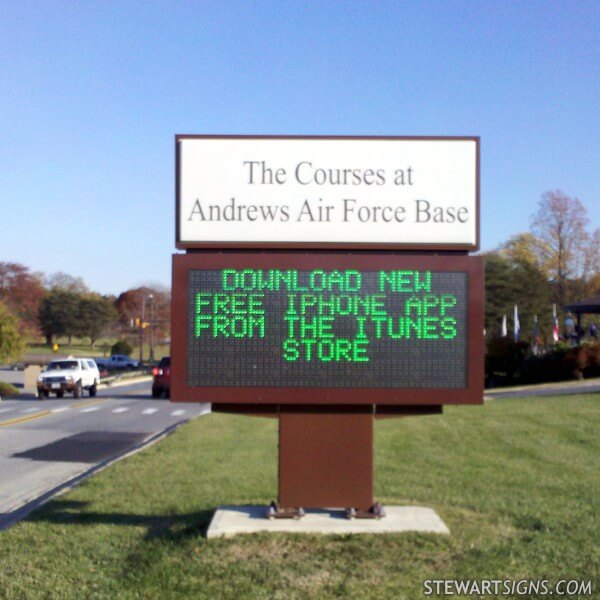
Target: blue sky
(92, 94)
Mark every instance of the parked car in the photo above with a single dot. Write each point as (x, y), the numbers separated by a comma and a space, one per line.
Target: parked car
(71, 375)
(162, 378)
(118, 362)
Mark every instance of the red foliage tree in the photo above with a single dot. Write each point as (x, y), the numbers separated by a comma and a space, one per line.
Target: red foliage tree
(22, 291)
(148, 304)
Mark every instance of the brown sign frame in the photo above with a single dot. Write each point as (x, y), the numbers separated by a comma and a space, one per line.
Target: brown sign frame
(183, 245)
(472, 394)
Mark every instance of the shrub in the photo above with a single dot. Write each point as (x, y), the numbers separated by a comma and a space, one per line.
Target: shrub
(122, 347)
(6, 389)
(592, 369)
(504, 360)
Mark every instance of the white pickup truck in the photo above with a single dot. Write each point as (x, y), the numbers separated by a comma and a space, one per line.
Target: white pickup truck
(118, 361)
(71, 375)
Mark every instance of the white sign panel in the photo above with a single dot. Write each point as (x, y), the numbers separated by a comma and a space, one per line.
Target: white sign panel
(318, 192)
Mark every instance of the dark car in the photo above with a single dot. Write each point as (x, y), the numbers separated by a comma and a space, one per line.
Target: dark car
(162, 378)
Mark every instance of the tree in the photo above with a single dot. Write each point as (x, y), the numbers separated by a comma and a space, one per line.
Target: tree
(12, 345)
(94, 314)
(513, 282)
(58, 314)
(21, 291)
(131, 303)
(520, 248)
(66, 282)
(559, 226)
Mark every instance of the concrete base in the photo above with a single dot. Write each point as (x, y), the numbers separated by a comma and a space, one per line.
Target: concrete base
(231, 520)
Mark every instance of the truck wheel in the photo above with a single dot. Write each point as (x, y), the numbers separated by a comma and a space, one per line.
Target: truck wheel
(93, 390)
(41, 394)
(77, 390)
(60, 394)
(156, 392)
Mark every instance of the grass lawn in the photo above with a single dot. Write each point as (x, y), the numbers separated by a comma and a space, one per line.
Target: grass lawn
(100, 349)
(517, 482)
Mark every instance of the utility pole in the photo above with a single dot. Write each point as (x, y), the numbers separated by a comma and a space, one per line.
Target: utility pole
(142, 330)
(151, 298)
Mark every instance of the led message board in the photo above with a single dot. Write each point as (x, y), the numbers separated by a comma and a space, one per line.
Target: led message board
(323, 192)
(327, 328)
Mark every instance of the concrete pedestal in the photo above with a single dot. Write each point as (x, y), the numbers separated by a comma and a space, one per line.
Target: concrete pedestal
(232, 520)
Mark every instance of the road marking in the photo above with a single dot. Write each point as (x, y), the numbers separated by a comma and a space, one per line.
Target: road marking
(88, 402)
(121, 409)
(60, 409)
(31, 410)
(24, 419)
(46, 413)
(177, 413)
(90, 409)
(3, 410)
(149, 411)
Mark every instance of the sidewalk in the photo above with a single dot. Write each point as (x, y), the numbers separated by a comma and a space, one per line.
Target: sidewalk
(581, 386)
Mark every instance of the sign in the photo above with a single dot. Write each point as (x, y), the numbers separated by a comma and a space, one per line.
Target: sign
(327, 328)
(323, 192)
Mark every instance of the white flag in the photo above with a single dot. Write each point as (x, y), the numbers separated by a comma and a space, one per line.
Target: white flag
(517, 324)
(503, 330)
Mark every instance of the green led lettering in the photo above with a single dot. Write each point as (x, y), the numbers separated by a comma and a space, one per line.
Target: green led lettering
(325, 351)
(353, 281)
(359, 351)
(397, 334)
(307, 301)
(430, 328)
(220, 326)
(423, 284)
(404, 281)
(413, 306)
(308, 346)
(291, 320)
(379, 321)
(386, 279)
(343, 348)
(220, 303)
(448, 328)
(202, 322)
(317, 281)
(229, 279)
(360, 321)
(202, 300)
(447, 301)
(309, 328)
(255, 306)
(378, 305)
(290, 350)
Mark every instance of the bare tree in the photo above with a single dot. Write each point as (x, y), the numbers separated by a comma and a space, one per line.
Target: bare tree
(560, 228)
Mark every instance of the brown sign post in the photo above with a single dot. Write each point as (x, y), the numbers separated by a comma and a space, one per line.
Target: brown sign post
(325, 339)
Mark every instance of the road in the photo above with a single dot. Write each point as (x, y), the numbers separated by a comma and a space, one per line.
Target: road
(46, 445)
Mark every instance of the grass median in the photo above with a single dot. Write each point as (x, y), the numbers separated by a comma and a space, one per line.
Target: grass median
(516, 481)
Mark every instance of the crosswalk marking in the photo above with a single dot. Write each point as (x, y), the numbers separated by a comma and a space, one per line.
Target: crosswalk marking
(3, 410)
(90, 409)
(177, 413)
(30, 410)
(149, 411)
(60, 409)
(121, 409)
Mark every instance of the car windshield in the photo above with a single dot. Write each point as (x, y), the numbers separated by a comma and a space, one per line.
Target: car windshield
(62, 365)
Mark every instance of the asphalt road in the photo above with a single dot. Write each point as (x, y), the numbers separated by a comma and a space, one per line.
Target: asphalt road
(47, 445)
